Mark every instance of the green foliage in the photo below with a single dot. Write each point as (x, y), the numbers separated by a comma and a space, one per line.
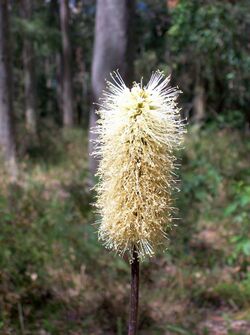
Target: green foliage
(208, 42)
(42, 28)
(239, 211)
(178, 330)
(47, 39)
(231, 119)
(237, 293)
(215, 177)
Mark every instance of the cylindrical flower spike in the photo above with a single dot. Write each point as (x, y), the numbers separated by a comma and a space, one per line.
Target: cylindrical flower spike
(138, 131)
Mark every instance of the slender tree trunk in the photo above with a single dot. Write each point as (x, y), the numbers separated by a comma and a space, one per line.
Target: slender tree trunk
(199, 103)
(113, 49)
(199, 96)
(54, 19)
(59, 83)
(48, 64)
(7, 140)
(80, 78)
(29, 74)
(67, 104)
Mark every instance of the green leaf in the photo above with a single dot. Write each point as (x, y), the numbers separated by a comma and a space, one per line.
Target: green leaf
(246, 248)
(178, 330)
(231, 209)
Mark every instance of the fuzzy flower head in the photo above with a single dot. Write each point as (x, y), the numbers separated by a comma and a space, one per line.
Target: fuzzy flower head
(138, 131)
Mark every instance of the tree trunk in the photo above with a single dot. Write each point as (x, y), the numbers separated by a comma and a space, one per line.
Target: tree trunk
(199, 96)
(112, 50)
(199, 103)
(59, 83)
(29, 74)
(7, 141)
(54, 19)
(67, 96)
(81, 97)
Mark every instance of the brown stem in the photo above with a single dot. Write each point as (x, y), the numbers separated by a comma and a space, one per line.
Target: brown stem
(134, 295)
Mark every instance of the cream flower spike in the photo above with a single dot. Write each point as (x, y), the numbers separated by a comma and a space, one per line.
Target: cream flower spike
(138, 131)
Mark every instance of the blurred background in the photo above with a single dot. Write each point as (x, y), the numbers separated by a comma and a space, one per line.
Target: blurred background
(55, 277)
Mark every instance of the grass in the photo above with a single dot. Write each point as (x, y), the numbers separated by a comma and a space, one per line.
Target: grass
(58, 279)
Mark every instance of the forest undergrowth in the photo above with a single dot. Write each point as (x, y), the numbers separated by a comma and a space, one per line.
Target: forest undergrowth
(56, 278)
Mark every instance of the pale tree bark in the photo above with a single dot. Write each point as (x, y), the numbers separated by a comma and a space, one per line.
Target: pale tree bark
(199, 100)
(29, 74)
(113, 49)
(7, 139)
(199, 103)
(59, 83)
(67, 94)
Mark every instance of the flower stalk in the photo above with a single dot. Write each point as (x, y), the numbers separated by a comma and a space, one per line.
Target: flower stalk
(134, 294)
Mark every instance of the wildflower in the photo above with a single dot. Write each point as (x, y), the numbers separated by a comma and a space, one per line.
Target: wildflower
(138, 131)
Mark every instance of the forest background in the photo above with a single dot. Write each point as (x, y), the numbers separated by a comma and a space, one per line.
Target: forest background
(55, 277)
